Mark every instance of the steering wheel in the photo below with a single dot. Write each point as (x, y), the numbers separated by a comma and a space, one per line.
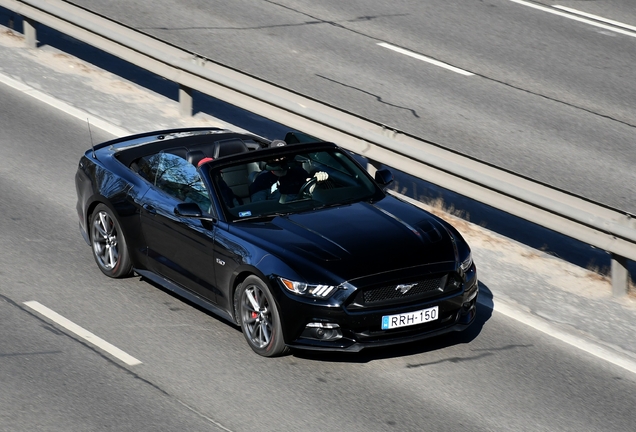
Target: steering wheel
(307, 187)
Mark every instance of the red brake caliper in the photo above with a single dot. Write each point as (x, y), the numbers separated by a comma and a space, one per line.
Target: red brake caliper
(254, 315)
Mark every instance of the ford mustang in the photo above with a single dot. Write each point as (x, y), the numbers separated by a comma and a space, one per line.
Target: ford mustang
(291, 240)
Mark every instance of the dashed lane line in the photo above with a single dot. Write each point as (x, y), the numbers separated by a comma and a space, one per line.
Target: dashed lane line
(83, 333)
(425, 59)
(579, 16)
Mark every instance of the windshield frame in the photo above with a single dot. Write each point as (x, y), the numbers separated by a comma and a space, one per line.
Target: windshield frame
(348, 181)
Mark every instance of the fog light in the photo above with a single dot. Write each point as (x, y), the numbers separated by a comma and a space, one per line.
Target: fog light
(322, 331)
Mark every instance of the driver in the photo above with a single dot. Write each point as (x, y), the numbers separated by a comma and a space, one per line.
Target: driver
(281, 180)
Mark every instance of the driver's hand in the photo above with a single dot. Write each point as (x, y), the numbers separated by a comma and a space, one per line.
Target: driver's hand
(321, 176)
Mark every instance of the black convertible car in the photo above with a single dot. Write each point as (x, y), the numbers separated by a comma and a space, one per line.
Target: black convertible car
(291, 240)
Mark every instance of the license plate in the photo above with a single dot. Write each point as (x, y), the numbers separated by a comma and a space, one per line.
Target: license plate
(410, 318)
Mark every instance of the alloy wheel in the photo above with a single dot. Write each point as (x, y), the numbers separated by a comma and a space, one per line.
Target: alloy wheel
(105, 241)
(256, 316)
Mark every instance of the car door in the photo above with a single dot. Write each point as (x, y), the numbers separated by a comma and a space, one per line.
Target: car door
(179, 248)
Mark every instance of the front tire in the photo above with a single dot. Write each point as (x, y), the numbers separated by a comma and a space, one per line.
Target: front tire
(108, 243)
(258, 316)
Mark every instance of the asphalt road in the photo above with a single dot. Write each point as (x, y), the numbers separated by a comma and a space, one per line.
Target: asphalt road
(197, 373)
(551, 96)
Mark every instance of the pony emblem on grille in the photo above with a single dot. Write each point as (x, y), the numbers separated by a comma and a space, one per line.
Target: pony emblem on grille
(404, 288)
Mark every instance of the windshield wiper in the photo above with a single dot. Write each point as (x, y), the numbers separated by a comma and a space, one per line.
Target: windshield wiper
(262, 216)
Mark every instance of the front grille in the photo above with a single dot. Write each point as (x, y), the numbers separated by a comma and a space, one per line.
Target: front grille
(422, 288)
(393, 291)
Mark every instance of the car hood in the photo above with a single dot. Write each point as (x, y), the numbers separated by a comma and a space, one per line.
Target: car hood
(355, 240)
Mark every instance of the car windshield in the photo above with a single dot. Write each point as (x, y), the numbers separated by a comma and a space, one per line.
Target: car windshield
(293, 183)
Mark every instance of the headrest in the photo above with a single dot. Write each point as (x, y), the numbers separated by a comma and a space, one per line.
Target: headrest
(228, 147)
(194, 157)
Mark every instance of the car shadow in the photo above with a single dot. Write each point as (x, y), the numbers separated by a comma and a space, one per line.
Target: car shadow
(484, 312)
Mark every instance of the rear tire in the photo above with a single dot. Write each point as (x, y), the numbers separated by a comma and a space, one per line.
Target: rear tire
(108, 243)
(257, 314)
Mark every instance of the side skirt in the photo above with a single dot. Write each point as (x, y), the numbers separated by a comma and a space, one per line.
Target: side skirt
(182, 292)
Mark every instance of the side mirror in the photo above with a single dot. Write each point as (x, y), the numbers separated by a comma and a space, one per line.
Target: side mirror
(191, 210)
(384, 177)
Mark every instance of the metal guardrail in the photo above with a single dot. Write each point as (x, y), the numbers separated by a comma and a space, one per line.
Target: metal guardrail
(602, 227)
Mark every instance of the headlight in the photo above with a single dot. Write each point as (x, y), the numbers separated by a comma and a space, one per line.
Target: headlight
(310, 290)
(465, 265)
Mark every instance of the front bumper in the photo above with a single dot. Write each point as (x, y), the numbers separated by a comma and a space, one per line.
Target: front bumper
(362, 328)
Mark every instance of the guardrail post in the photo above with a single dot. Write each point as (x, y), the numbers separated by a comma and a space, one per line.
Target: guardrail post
(620, 276)
(185, 101)
(30, 35)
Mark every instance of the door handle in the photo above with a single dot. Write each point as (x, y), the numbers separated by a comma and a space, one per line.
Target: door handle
(150, 209)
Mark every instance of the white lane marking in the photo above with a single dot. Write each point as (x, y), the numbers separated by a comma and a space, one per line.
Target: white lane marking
(83, 333)
(596, 17)
(424, 58)
(574, 17)
(595, 349)
(64, 107)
